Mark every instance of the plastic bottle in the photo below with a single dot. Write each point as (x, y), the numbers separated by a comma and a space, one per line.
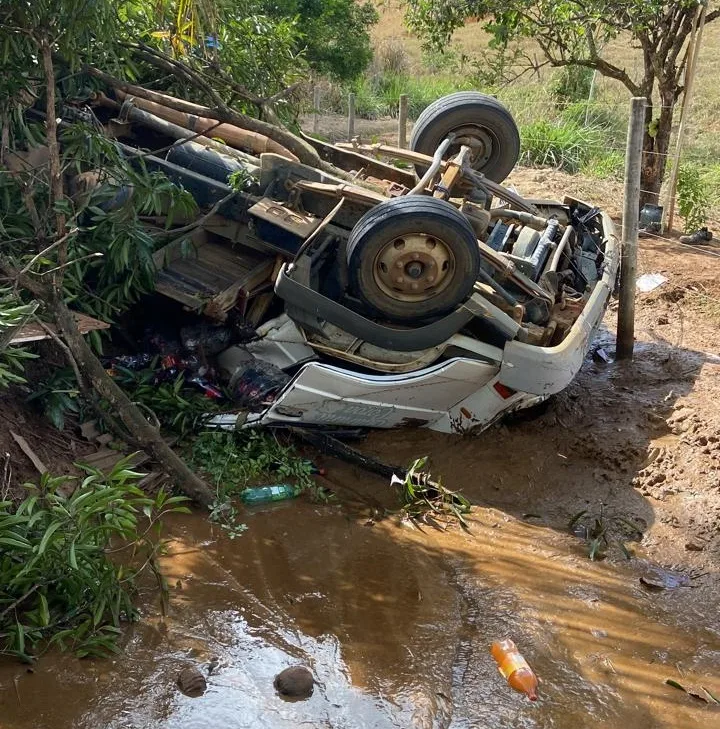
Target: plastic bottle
(263, 494)
(515, 668)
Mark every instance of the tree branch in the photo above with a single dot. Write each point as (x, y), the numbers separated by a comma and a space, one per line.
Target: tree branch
(304, 152)
(56, 183)
(47, 250)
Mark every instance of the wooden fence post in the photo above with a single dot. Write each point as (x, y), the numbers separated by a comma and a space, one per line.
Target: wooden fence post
(630, 224)
(351, 116)
(402, 121)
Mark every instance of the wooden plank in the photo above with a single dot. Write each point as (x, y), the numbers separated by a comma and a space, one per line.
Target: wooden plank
(33, 332)
(29, 452)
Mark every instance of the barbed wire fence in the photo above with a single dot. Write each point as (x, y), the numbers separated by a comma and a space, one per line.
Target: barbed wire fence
(599, 127)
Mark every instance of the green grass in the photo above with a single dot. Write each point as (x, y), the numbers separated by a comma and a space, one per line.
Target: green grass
(565, 146)
(377, 96)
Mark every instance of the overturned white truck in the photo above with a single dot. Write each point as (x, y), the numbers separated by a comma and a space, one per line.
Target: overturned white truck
(428, 295)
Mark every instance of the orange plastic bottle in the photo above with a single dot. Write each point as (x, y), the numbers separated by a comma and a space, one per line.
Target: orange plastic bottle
(515, 668)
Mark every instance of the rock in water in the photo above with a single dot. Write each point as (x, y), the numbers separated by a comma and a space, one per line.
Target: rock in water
(191, 682)
(295, 682)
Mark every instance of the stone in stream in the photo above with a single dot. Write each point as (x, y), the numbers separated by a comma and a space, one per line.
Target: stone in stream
(191, 682)
(295, 682)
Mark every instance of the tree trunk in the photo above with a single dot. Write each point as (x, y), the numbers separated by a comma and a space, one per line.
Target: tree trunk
(132, 418)
(656, 143)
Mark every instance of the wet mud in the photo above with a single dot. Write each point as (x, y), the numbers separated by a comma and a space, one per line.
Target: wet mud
(395, 625)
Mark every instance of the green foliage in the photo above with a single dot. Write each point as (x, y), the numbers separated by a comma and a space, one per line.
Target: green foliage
(609, 165)
(110, 249)
(232, 461)
(601, 531)
(377, 96)
(68, 563)
(335, 37)
(170, 404)
(57, 395)
(571, 84)
(576, 33)
(13, 314)
(598, 116)
(429, 502)
(693, 195)
(565, 146)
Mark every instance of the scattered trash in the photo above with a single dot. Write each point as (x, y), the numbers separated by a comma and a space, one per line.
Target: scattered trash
(599, 633)
(602, 355)
(697, 692)
(650, 281)
(515, 668)
(649, 230)
(658, 578)
(295, 683)
(191, 682)
(256, 384)
(265, 494)
(133, 362)
(207, 338)
(650, 215)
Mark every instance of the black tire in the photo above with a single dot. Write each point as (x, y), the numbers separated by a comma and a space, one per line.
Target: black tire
(465, 111)
(393, 232)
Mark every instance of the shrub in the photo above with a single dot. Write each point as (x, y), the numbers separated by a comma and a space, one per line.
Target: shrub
(693, 195)
(571, 83)
(59, 582)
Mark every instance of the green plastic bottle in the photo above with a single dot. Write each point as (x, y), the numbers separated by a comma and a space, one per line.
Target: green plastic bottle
(264, 494)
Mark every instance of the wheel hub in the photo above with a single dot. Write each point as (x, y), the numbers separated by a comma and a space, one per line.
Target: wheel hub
(414, 267)
(478, 139)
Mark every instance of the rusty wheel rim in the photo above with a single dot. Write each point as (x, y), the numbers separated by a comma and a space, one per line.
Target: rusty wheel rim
(480, 140)
(414, 267)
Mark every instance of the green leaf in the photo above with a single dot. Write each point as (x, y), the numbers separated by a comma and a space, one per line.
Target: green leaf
(44, 611)
(47, 536)
(73, 558)
(18, 542)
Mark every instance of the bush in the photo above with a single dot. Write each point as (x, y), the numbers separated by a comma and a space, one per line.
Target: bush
(598, 116)
(693, 196)
(571, 83)
(58, 583)
(13, 314)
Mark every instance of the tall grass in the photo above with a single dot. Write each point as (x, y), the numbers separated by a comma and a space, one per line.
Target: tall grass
(563, 145)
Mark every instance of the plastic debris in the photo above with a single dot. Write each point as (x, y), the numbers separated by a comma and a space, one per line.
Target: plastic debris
(649, 282)
(515, 668)
(256, 384)
(206, 338)
(265, 494)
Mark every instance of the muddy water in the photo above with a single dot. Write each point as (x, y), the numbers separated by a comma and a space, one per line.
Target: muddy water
(394, 623)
